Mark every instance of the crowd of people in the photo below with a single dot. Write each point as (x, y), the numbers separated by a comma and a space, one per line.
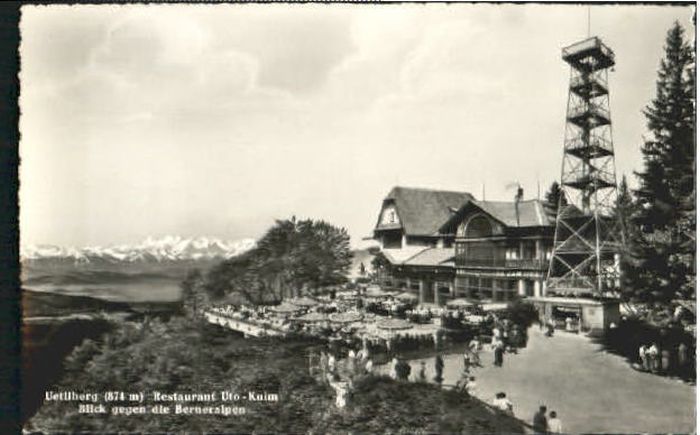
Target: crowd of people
(656, 359)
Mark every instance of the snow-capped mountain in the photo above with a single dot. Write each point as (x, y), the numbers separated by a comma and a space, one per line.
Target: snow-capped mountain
(168, 248)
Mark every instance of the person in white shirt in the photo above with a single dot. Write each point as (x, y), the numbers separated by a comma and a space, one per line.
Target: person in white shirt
(475, 345)
(643, 357)
(471, 386)
(502, 403)
(368, 366)
(392, 373)
(554, 424)
(653, 353)
(331, 363)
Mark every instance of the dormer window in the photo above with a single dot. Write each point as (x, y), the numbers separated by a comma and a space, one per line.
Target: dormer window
(392, 217)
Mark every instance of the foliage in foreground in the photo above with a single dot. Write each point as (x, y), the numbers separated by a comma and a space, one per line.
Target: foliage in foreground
(182, 357)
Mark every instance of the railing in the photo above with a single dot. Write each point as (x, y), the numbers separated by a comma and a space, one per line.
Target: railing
(589, 109)
(581, 81)
(536, 264)
(588, 44)
(245, 326)
(577, 143)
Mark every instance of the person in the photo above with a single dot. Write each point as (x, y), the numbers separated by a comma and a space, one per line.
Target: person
(554, 423)
(550, 328)
(682, 356)
(515, 338)
(498, 355)
(369, 365)
(393, 373)
(502, 403)
(569, 324)
(496, 332)
(353, 360)
(643, 357)
(665, 360)
(421, 372)
(331, 363)
(474, 360)
(539, 421)
(475, 345)
(471, 385)
(653, 353)
(342, 390)
(439, 367)
(403, 370)
(466, 360)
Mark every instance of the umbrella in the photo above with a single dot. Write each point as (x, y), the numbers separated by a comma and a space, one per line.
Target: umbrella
(345, 317)
(285, 308)
(376, 292)
(313, 317)
(303, 301)
(407, 296)
(459, 303)
(495, 307)
(393, 324)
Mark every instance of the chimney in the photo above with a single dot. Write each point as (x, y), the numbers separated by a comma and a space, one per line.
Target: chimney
(518, 198)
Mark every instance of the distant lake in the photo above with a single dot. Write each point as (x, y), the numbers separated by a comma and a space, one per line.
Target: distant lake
(134, 287)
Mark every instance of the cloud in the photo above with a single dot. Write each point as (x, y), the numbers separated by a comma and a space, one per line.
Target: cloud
(229, 116)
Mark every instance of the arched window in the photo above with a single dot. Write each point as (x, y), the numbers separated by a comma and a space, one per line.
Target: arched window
(479, 226)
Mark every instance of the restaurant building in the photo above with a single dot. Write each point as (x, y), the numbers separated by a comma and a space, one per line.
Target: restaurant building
(442, 245)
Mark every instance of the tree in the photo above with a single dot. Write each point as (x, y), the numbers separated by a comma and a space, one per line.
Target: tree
(662, 256)
(624, 212)
(193, 297)
(292, 255)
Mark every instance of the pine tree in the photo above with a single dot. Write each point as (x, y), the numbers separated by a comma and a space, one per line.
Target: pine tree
(629, 243)
(662, 256)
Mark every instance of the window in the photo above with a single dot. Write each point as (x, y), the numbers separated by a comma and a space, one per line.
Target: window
(529, 288)
(461, 287)
(479, 226)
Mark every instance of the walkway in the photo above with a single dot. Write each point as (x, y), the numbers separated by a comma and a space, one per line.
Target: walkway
(591, 390)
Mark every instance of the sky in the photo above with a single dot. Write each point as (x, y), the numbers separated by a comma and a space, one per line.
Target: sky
(215, 120)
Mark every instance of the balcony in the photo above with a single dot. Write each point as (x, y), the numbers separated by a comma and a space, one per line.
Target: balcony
(596, 148)
(501, 263)
(588, 115)
(588, 87)
(589, 55)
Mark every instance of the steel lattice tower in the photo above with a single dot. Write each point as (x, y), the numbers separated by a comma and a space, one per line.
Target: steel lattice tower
(587, 236)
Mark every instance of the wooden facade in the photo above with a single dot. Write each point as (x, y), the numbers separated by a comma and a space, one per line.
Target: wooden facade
(482, 250)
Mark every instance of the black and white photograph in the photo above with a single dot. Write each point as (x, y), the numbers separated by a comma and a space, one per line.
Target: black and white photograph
(348, 218)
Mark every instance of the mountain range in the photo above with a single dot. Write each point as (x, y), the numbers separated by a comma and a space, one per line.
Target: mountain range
(151, 250)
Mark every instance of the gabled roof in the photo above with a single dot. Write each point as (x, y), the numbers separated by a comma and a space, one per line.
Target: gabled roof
(433, 257)
(530, 213)
(420, 256)
(423, 211)
(399, 255)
